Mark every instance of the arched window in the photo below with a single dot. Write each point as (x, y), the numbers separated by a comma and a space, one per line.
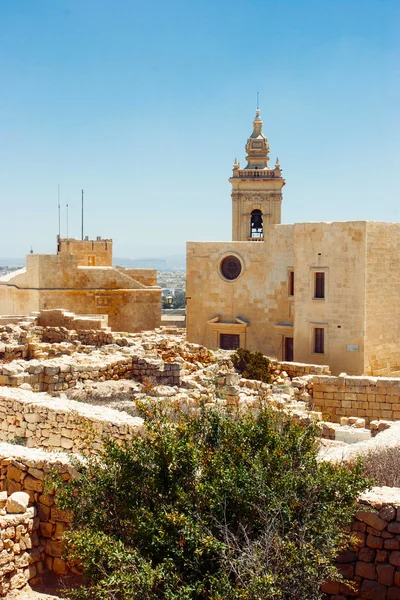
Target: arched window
(256, 224)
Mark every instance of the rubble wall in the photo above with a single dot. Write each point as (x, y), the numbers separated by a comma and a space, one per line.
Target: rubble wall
(19, 561)
(60, 374)
(372, 563)
(26, 470)
(295, 369)
(367, 397)
(40, 421)
(63, 318)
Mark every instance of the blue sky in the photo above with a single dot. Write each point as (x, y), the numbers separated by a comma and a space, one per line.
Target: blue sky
(146, 104)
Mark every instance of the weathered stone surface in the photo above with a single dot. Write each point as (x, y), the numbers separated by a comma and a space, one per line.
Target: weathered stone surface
(385, 574)
(373, 590)
(372, 519)
(394, 559)
(17, 503)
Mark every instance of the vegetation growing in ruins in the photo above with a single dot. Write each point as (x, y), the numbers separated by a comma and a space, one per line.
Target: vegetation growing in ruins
(210, 507)
(382, 465)
(252, 365)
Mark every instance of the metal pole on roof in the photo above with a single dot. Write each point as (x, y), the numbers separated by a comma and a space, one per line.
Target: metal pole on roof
(59, 213)
(82, 215)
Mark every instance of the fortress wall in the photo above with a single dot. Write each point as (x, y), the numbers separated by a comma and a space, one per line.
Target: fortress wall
(127, 310)
(14, 301)
(147, 277)
(95, 253)
(368, 397)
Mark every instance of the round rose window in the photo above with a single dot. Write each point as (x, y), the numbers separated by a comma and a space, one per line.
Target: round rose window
(231, 268)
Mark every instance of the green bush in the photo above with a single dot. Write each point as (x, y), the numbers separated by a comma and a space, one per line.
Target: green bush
(210, 507)
(252, 365)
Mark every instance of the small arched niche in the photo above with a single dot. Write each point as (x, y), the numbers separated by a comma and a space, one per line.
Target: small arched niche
(256, 224)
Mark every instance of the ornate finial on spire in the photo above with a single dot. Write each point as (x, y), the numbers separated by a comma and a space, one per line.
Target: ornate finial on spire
(236, 165)
(31, 252)
(277, 165)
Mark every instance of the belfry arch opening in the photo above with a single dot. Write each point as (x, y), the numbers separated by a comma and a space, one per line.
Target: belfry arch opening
(256, 224)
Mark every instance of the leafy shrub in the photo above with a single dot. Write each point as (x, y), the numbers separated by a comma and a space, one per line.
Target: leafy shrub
(210, 507)
(252, 365)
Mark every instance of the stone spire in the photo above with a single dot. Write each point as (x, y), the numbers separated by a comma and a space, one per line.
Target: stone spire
(257, 146)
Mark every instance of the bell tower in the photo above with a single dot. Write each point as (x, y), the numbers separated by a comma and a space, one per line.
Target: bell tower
(256, 189)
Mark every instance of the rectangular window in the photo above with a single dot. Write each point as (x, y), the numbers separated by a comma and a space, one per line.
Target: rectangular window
(291, 283)
(319, 285)
(229, 341)
(319, 340)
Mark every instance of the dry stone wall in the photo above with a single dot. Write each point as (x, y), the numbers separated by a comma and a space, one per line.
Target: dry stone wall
(19, 559)
(372, 563)
(26, 470)
(367, 397)
(41, 421)
(60, 374)
(294, 369)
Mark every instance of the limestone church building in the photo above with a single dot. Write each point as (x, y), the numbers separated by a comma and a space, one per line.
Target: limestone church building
(321, 293)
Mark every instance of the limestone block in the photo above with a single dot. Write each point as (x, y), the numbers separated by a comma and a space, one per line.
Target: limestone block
(59, 566)
(31, 483)
(54, 548)
(18, 581)
(17, 503)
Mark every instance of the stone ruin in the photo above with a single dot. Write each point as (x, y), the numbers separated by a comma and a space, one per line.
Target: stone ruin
(67, 381)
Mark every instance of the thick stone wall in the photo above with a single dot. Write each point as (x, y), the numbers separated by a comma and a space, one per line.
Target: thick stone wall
(56, 281)
(62, 373)
(18, 527)
(62, 318)
(94, 253)
(294, 369)
(368, 397)
(26, 470)
(372, 563)
(40, 421)
(147, 277)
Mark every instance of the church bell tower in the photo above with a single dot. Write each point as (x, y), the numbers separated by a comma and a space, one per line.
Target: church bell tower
(256, 189)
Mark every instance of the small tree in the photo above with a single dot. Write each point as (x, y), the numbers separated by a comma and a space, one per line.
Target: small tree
(252, 365)
(210, 507)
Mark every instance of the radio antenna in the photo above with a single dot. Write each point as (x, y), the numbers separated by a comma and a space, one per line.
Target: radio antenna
(59, 213)
(82, 214)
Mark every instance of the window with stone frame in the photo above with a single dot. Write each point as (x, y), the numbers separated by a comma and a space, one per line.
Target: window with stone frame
(319, 285)
(319, 340)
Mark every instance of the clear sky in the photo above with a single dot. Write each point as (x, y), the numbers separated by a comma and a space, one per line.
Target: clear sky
(146, 104)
